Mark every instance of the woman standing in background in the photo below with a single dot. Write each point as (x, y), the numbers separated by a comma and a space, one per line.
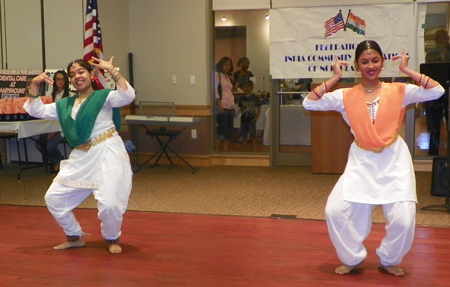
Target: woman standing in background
(224, 102)
(243, 75)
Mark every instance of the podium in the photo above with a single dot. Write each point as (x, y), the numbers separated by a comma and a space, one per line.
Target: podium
(330, 139)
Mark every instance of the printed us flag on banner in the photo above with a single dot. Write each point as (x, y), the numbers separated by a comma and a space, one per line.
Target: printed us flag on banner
(93, 46)
(334, 25)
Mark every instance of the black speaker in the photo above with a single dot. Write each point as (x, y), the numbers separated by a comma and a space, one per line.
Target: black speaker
(439, 179)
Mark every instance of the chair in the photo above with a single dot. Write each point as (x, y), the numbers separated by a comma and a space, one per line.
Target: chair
(163, 135)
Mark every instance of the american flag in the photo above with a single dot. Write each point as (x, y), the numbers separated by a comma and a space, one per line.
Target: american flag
(334, 25)
(93, 46)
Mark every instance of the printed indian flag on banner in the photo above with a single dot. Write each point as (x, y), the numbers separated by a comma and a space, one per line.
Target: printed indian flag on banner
(356, 24)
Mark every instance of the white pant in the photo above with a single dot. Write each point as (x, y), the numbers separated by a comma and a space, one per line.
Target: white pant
(112, 200)
(349, 224)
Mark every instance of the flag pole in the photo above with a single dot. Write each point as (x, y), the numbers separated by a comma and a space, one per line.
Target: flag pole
(348, 15)
(44, 61)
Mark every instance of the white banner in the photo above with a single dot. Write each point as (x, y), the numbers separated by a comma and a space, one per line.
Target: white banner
(304, 42)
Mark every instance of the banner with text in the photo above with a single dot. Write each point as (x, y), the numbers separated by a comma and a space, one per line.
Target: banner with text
(304, 42)
(14, 83)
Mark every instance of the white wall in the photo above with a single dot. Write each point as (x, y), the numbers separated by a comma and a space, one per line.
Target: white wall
(22, 49)
(64, 32)
(64, 26)
(115, 21)
(172, 37)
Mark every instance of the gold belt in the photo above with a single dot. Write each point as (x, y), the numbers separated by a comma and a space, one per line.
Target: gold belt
(95, 141)
(377, 149)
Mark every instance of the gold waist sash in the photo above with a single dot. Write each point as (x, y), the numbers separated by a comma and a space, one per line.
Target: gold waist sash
(95, 141)
(378, 149)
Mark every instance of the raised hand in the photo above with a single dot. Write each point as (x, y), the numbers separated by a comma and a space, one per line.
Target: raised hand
(35, 83)
(404, 59)
(102, 64)
(336, 67)
(109, 66)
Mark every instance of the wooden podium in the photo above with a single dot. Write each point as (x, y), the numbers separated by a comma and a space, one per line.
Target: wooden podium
(330, 139)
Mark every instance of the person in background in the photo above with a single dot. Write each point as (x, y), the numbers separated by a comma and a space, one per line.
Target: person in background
(243, 75)
(98, 163)
(441, 53)
(436, 111)
(224, 102)
(379, 169)
(249, 108)
(47, 144)
(303, 85)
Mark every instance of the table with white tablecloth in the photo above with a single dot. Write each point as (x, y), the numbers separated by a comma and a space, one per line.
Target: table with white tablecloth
(25, 131)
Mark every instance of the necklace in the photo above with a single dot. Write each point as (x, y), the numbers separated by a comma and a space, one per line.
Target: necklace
(370, 90)
(80, 101)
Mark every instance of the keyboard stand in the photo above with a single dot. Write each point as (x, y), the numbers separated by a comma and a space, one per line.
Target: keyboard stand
(171, 135)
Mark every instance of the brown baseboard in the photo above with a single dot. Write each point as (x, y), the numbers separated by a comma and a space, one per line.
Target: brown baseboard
(213, 160)
(423, 165)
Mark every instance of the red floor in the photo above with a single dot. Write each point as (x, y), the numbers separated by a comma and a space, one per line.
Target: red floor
(162, 249)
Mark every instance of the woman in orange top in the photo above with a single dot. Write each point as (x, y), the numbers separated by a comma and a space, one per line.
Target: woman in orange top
(379, 170)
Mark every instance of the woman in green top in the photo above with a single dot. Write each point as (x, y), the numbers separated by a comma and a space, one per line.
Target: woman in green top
(98, 163)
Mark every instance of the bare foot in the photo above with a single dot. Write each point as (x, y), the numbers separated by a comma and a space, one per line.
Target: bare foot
(344, 269)
(67, 244)
(397, 271)
(114, 248)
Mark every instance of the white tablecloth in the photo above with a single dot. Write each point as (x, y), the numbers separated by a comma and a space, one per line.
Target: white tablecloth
(25, 129)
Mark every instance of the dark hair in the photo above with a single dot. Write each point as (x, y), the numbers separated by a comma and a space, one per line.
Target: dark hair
(66, 84)
(242, 60)
(247, 83)
(219, 65)
(366, 45)
(85, 64)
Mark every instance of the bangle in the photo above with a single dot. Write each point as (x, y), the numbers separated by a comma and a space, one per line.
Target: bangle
(34, 96)
(315, 93)
(325, 88)
(115, 75)
(426, 83)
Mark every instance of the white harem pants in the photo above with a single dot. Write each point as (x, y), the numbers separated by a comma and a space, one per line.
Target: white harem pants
(111, 195)
(349, 224)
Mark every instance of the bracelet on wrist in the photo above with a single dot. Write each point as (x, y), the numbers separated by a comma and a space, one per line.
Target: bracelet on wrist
(116, 77)
(325, 88)
(426, 83)
(115, 74)
(315, 93)
(34, 96)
